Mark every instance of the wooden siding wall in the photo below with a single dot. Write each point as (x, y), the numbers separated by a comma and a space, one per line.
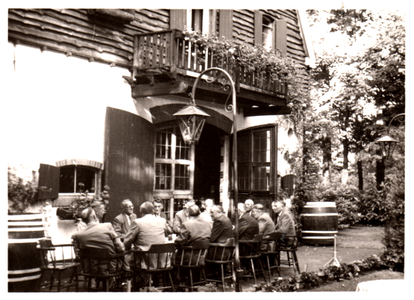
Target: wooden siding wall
(76, 32)
(243, 29)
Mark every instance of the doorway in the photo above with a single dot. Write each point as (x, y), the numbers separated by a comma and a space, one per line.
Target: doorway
(207, 164)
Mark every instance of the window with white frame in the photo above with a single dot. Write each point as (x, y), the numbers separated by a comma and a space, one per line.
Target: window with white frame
(172, 160)
(267, 32)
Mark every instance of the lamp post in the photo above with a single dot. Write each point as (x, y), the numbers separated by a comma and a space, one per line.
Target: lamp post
(386, 142)
(191, 123)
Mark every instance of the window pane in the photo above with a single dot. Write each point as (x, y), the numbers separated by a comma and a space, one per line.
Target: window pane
(163, 144)
(67, 179)
(243, 174)
(261, 146)
(182, 177)
(261, 178)
(243, 148)
(87, 177)
(162, 176)
(182, 150)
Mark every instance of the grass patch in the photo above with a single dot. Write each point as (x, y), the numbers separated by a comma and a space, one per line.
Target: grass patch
(351, 285)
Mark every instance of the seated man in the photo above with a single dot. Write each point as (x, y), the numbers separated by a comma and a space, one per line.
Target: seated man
(158, 207)
(222, 227)
(100, 210)
(97, 235)
(285, 222)
(249, 206)
(248, 226)
(205, 210)
(122, 222)
(196, 228)
(266, 225)
(182, 216)
(145, 231)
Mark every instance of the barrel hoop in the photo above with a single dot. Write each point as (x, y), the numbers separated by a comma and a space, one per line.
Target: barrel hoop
(318, 231)
(26, 278)
(14, 224)
(24, 217)
(317, 237)
(16, 272)
(21, 229)
(21, 241)
(318, 215)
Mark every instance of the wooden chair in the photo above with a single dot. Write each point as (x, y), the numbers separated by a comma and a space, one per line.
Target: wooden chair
(157, 260)
(250, 251)
(290, 248)
(57, 259)
(271, 254)
(192, 258)
(101, 265)
(223, 255)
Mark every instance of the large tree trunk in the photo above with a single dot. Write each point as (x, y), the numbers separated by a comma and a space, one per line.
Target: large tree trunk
(327, 159)
(360, 176)
(345, 143)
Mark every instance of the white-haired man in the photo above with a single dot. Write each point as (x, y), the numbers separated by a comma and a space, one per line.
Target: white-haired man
(122, 222)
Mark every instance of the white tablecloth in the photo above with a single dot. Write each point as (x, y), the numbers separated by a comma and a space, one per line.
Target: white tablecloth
(381, 286)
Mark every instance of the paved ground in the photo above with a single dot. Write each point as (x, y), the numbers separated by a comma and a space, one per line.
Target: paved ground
(354, 243)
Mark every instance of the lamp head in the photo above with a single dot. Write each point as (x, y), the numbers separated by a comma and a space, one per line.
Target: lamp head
(191, 122)
(387, 144)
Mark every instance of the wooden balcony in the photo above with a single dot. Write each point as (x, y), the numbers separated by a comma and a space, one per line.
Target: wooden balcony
(169, 63)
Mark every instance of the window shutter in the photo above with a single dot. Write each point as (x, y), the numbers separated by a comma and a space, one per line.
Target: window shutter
(281, 36)
(226, 23)
(129, 159)
(178, 19)
(258, 27)
(48, 182)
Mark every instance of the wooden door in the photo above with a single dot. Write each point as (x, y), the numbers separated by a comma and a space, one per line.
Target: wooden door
(129, 160)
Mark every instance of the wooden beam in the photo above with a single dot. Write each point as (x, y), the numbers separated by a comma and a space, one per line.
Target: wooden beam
(267, 111)
(156, 89)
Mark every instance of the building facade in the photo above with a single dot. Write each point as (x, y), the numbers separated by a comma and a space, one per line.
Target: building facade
(92, 93)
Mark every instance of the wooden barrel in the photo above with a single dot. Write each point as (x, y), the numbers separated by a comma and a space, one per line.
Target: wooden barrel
(319, 223)
(23, 258)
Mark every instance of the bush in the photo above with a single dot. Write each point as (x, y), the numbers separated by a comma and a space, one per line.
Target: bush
(21, 194)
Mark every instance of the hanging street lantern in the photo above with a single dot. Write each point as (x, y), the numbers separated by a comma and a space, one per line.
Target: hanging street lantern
(191, 122)
(387, 144)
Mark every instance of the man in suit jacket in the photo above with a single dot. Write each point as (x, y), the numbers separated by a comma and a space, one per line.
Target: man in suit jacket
(222, 227)
(158, 207)
(266, 225)
(144, 232)
(194, 229)
(122, 222)
(249, 206)
(182, 216)
(285, 222)
(248, 226)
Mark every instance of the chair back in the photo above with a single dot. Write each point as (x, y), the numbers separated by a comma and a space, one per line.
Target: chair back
(53, 255)
(222, 253)
(191, 256)
(291, 243)
(157, 257)
(251, 248)
(99, 262)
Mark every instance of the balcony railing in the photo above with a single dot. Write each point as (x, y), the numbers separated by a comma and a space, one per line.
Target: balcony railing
(171, 52)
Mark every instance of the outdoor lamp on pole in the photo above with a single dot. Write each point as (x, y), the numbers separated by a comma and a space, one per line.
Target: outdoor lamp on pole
(191, 124)
(388, 143)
